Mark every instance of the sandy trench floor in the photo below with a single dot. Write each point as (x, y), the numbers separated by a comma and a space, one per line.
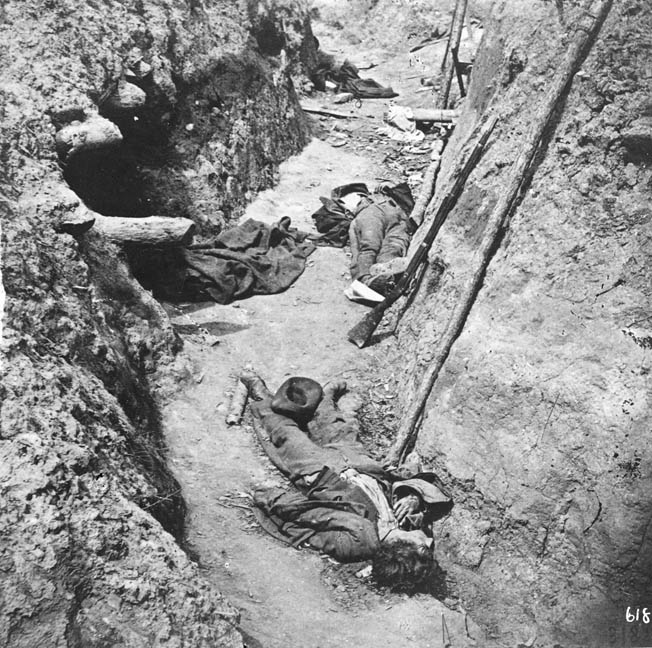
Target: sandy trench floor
(289, 597)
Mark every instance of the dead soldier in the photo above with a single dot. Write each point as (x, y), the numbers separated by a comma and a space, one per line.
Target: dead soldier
(345, 503)
(377, 226)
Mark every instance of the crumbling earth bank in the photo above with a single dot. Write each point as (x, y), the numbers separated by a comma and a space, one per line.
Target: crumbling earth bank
(540, 420)
(90, 512)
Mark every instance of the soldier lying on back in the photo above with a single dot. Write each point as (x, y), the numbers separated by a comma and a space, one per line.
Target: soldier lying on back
(346, 504)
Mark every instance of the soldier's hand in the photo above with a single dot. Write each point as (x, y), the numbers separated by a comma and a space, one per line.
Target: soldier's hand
(406, 506)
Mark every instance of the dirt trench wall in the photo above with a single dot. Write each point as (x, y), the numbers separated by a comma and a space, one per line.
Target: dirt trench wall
(90, 514)
(365, 22)
(539, 422)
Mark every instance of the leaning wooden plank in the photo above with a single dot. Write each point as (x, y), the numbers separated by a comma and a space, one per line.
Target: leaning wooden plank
(581, 42)
(434, 114)
(427, 190)
(156, 231)
(321, 110)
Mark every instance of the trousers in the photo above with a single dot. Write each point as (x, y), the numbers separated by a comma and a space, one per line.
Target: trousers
(378, 233)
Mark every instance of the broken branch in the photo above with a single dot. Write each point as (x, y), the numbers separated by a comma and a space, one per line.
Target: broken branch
(238, 404)
(320, 110)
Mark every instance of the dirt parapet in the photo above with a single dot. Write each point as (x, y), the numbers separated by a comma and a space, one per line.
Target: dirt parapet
(539, 421)
(92, 517)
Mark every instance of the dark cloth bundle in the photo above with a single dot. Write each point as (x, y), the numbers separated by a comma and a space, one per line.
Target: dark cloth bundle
(347, 78)
(332, 219)
(251, 259)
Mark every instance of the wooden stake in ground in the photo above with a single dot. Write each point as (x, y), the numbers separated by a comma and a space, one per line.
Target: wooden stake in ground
(581, 42)
(453, 47)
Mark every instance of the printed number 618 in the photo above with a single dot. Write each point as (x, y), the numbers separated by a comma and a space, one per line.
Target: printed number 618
(636, 614)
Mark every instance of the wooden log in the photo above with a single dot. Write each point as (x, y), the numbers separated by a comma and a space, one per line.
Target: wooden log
(581, 42)
(94, 133)
(155, 231)
(434, 114)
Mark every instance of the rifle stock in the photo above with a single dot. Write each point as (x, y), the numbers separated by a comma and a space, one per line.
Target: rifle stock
(361, 333)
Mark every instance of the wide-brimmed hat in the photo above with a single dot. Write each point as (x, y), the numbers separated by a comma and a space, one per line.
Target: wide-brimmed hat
(297, 398)
(401, 194)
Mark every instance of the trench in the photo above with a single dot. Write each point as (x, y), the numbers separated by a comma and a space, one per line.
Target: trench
(289, 597)
(286, 597)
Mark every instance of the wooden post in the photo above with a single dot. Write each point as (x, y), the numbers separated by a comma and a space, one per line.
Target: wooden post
(454, 45)
(155, 231)
(581, 42)
(458, 72)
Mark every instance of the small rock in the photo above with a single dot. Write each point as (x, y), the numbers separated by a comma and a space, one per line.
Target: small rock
(126, 97)
(637, 139)
(365, 572)
(94, 133)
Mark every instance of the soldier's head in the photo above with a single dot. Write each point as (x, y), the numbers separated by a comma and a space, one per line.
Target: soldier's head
(404, 565)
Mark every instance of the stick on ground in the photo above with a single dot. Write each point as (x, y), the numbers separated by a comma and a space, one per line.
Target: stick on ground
(237, 404)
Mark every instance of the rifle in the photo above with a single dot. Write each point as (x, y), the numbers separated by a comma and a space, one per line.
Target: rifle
(361, 333)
